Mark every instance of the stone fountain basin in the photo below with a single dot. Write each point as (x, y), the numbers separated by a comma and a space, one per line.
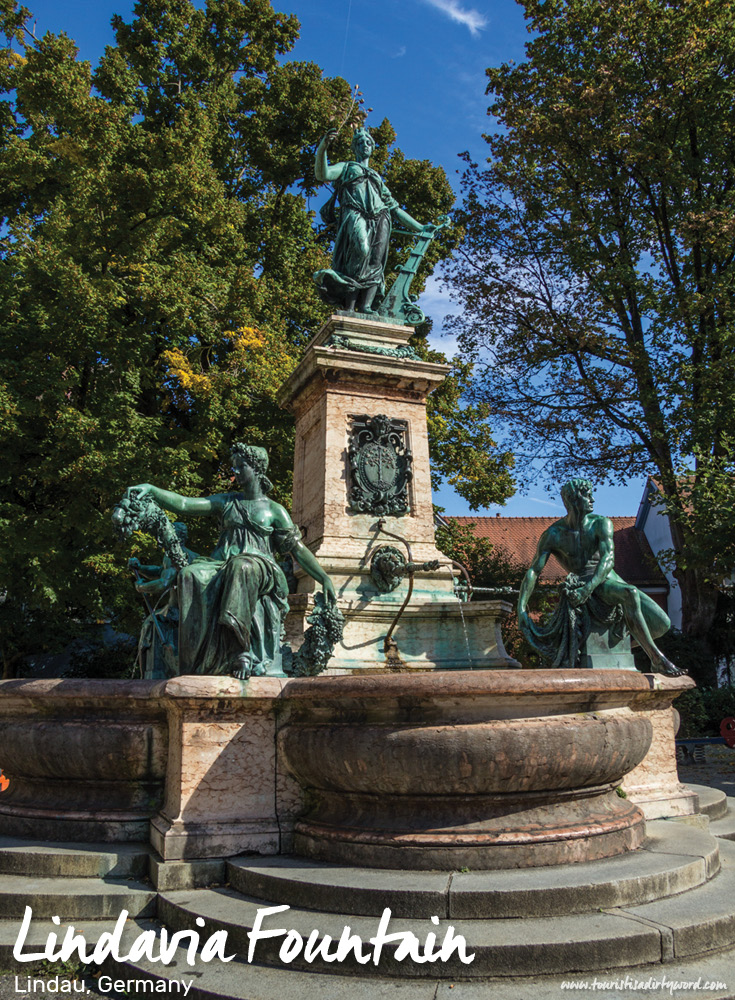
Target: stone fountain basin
(85, 759)
(477, 769)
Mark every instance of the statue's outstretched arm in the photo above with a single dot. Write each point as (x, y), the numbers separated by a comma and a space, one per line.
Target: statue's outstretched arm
(401, 216)
(324, 170)
(158, 585)
(147, 572)
(178, 504)
(529, 580)
(309, 562)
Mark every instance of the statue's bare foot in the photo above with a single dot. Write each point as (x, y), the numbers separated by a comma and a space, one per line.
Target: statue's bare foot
(242, 667)
(669, 668)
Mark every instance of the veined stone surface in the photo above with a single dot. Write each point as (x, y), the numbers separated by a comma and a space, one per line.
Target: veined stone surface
(654, 784)
(328, 392)
(487, 769)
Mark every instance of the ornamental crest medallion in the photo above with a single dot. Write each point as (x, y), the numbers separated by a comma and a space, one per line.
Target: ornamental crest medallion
(380, 466)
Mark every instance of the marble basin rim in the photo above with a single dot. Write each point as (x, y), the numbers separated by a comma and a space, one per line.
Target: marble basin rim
(483, 769)
(466, 694)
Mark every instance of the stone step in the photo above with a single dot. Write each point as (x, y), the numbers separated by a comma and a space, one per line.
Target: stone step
(712, 801)
(725, 826)
(693, 922)
(698, 921)
(73, 898)
(238, 980)
(676, 858)
(68, 860)
(617, 984)
(241, 981)
(532, 946)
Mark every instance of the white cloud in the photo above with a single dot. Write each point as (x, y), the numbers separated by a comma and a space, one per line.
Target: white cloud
(401, 52)
(546, 503)
(471, 18)
(435, 299)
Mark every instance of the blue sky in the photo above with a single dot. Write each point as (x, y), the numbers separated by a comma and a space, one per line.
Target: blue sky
(420, 63)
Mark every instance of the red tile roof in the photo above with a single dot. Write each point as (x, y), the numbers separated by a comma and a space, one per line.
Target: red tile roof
(519, 536)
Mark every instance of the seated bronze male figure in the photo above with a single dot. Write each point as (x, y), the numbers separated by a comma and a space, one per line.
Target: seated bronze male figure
(593, 595)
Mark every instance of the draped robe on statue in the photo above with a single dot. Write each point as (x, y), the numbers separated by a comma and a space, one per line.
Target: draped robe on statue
(235, 600)
(363, 234)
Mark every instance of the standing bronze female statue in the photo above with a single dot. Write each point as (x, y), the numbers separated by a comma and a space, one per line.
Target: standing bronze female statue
(233, 603)
(364, 221)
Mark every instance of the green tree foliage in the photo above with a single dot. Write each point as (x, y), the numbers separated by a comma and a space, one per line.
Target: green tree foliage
(598, 274)
(463, 450)
(156, 251)
(703, 709)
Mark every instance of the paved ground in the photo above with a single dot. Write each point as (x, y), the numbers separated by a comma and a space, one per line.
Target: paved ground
(717, 771)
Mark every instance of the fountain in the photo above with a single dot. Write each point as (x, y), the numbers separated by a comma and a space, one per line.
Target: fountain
(423, 770)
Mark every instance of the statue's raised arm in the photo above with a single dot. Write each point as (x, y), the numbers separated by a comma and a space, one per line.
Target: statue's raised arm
(324, 170)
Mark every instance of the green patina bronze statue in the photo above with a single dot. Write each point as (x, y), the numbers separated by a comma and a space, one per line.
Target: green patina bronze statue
(363, 223)
(232, 604)
(594, 599)
(159, 637)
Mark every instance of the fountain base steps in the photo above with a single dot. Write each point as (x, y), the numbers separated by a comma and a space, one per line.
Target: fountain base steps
(69, 860)
(664, 909)
(241, 981)
(36, 938)
(691, 922)
(724, 829)
(687, 938)
(74, 898)
(712, 801)
(719, 808)
(87, 884)
(672, 861)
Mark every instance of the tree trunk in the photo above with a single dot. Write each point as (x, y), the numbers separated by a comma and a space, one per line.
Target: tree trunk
(698, 601)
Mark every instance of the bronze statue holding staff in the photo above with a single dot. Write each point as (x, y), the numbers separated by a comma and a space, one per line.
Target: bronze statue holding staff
(364, 222)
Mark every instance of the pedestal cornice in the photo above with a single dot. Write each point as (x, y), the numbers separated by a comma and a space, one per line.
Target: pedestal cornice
(420, 377)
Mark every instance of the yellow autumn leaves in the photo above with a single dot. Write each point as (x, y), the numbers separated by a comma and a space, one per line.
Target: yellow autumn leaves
(254, 361)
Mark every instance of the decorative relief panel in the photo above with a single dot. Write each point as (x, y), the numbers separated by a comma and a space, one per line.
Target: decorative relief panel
(380, 465)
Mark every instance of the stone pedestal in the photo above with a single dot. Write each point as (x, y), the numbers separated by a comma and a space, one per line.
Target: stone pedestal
(355, 370)
(603, 652)
(654, 784)
(225, 791)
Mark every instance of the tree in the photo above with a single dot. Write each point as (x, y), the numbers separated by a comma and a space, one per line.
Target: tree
(598, 271)
(156, 254)
(488, 565)
(463, 450)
